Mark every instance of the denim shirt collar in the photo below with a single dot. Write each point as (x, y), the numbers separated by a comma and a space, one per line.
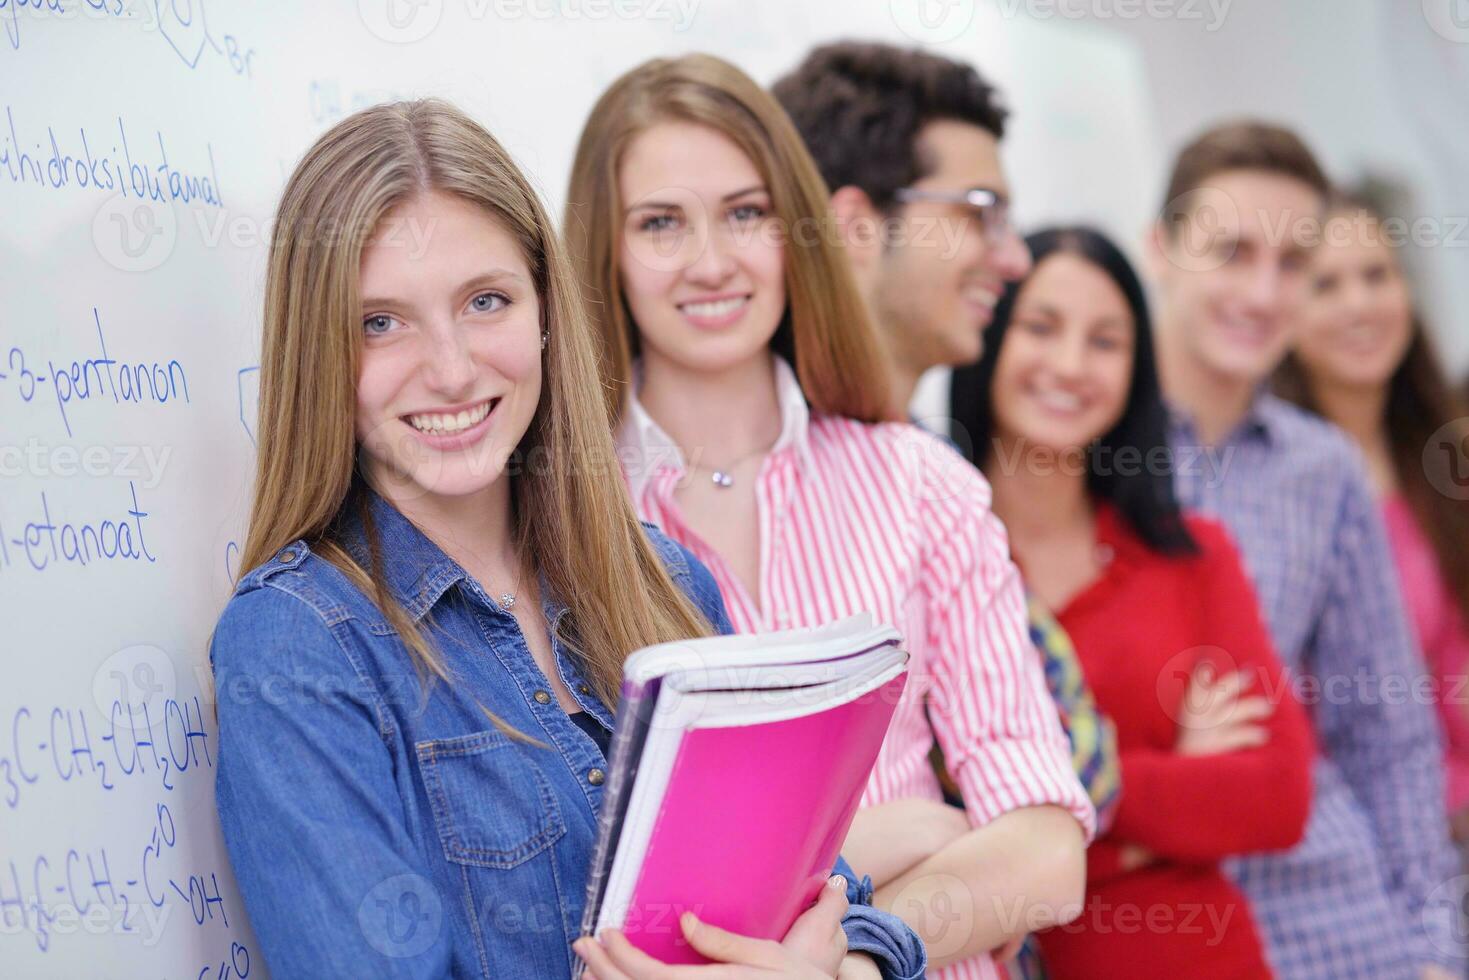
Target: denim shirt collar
(415, 571)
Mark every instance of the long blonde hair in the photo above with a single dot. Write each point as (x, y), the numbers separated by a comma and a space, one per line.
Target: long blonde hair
(573, 521)
(826, 332)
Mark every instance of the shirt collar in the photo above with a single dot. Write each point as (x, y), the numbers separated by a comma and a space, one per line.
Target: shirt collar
(645, 449)
(415, 572)
(1259, 420)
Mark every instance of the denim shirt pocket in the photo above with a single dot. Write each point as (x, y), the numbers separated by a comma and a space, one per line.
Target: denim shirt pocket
(492, 805)
(499, 822)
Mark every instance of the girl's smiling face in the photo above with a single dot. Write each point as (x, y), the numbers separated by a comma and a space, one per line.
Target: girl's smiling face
(702, 263)
(450, 372)
(1357, 324)
(1065, 365)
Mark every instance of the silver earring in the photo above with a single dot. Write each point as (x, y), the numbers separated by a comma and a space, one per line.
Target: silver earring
(545, 338)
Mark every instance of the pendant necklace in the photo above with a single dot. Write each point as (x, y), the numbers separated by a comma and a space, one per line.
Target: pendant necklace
(721, 476)
(507, 599)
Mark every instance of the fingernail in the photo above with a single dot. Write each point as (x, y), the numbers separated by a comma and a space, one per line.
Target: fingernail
(689, 921)
(838, 882)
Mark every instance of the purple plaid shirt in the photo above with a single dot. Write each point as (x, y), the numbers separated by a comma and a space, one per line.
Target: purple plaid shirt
(1371, 890)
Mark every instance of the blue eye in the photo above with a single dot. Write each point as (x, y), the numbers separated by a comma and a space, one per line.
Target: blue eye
(489, 302)
(658, 222)
(747, 212)
(378, 324)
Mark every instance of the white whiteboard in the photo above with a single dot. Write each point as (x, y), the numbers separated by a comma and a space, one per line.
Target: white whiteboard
(142, 147)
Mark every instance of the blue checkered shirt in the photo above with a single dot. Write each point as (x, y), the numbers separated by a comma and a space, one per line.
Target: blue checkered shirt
(1371, 891)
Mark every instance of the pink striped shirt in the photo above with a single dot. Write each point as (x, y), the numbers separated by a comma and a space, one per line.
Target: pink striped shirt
(1442, 635)
(889, 519)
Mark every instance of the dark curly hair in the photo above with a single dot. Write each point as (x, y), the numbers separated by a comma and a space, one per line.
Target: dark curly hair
(859, 107)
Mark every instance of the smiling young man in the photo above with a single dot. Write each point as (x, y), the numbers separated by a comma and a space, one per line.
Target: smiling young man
(1367, 892)
(909, 144)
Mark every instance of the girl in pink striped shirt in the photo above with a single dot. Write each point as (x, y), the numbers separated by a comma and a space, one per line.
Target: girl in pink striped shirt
(755, 426)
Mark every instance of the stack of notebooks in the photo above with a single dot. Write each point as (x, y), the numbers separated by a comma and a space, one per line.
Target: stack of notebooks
(735, 771)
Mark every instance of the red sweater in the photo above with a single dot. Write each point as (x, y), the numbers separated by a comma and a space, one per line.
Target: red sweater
(1139, 631)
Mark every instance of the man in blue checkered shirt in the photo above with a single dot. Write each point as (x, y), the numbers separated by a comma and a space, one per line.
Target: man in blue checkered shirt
(1372, 890)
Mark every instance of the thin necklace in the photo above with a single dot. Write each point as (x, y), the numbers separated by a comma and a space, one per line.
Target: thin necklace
(721, 476)
(507, 599)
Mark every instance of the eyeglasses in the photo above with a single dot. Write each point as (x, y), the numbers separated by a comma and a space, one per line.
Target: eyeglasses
(992, 210)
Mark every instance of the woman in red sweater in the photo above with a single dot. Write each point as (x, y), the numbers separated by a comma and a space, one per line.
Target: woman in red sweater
(1065, 417)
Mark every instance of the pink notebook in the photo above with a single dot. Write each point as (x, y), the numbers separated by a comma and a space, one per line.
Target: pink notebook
(736, 770)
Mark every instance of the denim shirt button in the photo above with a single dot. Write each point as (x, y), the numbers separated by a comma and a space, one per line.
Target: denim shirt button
(596, 777)
(584, 689)
(542, 697)
(288, 556)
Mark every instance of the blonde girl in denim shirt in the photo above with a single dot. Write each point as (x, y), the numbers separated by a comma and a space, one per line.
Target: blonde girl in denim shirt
(441, 580)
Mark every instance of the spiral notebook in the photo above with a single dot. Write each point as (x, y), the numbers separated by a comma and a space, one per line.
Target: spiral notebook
(734, 774)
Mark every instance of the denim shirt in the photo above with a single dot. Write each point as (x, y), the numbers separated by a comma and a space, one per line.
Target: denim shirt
(376, 832)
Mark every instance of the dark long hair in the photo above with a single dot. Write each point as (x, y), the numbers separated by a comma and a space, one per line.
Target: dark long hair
(1420, 401)
(1143, 495)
